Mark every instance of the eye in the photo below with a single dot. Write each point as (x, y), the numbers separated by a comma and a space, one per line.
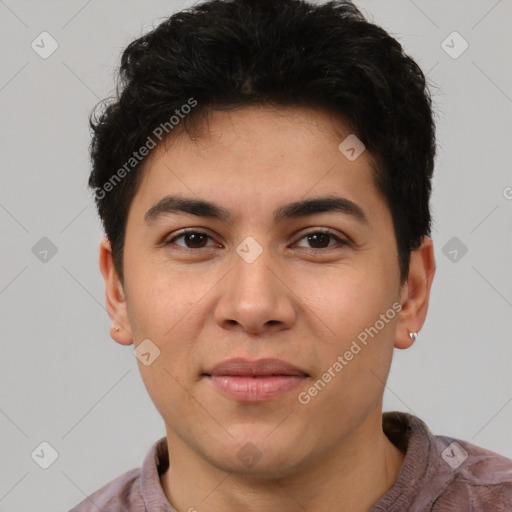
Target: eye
(198, 239)
(193, 239)
(322, 238)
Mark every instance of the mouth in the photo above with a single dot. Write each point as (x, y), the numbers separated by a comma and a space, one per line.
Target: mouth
(262, 380)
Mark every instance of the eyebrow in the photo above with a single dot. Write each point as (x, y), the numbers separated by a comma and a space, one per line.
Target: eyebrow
(306, 207)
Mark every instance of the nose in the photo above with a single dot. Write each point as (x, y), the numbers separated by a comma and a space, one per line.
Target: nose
(255, 297)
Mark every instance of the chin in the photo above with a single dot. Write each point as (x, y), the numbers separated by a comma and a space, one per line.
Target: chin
(258, 455)
(264, 468)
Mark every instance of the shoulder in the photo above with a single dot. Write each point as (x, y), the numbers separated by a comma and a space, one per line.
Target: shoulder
(444, 474)
(481, 479)
(123, 493)
(130, 491)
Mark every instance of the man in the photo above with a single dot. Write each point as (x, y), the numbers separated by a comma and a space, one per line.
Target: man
(264, 179)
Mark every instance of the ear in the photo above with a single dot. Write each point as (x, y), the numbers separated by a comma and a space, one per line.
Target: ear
(415, 293)
(114, 297)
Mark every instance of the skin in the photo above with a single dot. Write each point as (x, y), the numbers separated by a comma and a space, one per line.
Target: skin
(299, 301)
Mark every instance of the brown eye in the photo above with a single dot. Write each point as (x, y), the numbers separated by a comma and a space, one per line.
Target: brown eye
(192, 239)
(321, 239)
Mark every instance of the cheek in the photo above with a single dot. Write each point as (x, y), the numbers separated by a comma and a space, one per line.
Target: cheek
(169, 392)
(344, 301)
(357, 308)
(161, 303)
(161, 308)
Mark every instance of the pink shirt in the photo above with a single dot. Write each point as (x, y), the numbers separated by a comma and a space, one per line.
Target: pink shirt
(439, 474)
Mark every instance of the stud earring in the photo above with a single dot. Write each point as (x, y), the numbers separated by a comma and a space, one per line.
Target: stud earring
(413, 336)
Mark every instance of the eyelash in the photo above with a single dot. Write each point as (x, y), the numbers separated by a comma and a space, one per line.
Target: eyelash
(316, 232)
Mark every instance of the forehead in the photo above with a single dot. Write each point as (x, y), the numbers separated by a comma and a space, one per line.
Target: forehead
(249, 158)
(275, 131)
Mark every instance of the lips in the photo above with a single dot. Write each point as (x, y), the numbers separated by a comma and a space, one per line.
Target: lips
(243, 380)
(260, 368)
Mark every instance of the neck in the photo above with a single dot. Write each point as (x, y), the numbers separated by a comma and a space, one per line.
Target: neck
(353, 477)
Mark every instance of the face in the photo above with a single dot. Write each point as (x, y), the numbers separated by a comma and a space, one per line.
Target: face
(315, 287)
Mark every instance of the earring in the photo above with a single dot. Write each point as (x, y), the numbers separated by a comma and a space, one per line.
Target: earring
(413, 336)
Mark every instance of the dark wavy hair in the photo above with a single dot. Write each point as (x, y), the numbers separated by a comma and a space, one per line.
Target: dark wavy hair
(230, 54)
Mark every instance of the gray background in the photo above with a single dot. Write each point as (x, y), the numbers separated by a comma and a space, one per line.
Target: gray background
(64, 381)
